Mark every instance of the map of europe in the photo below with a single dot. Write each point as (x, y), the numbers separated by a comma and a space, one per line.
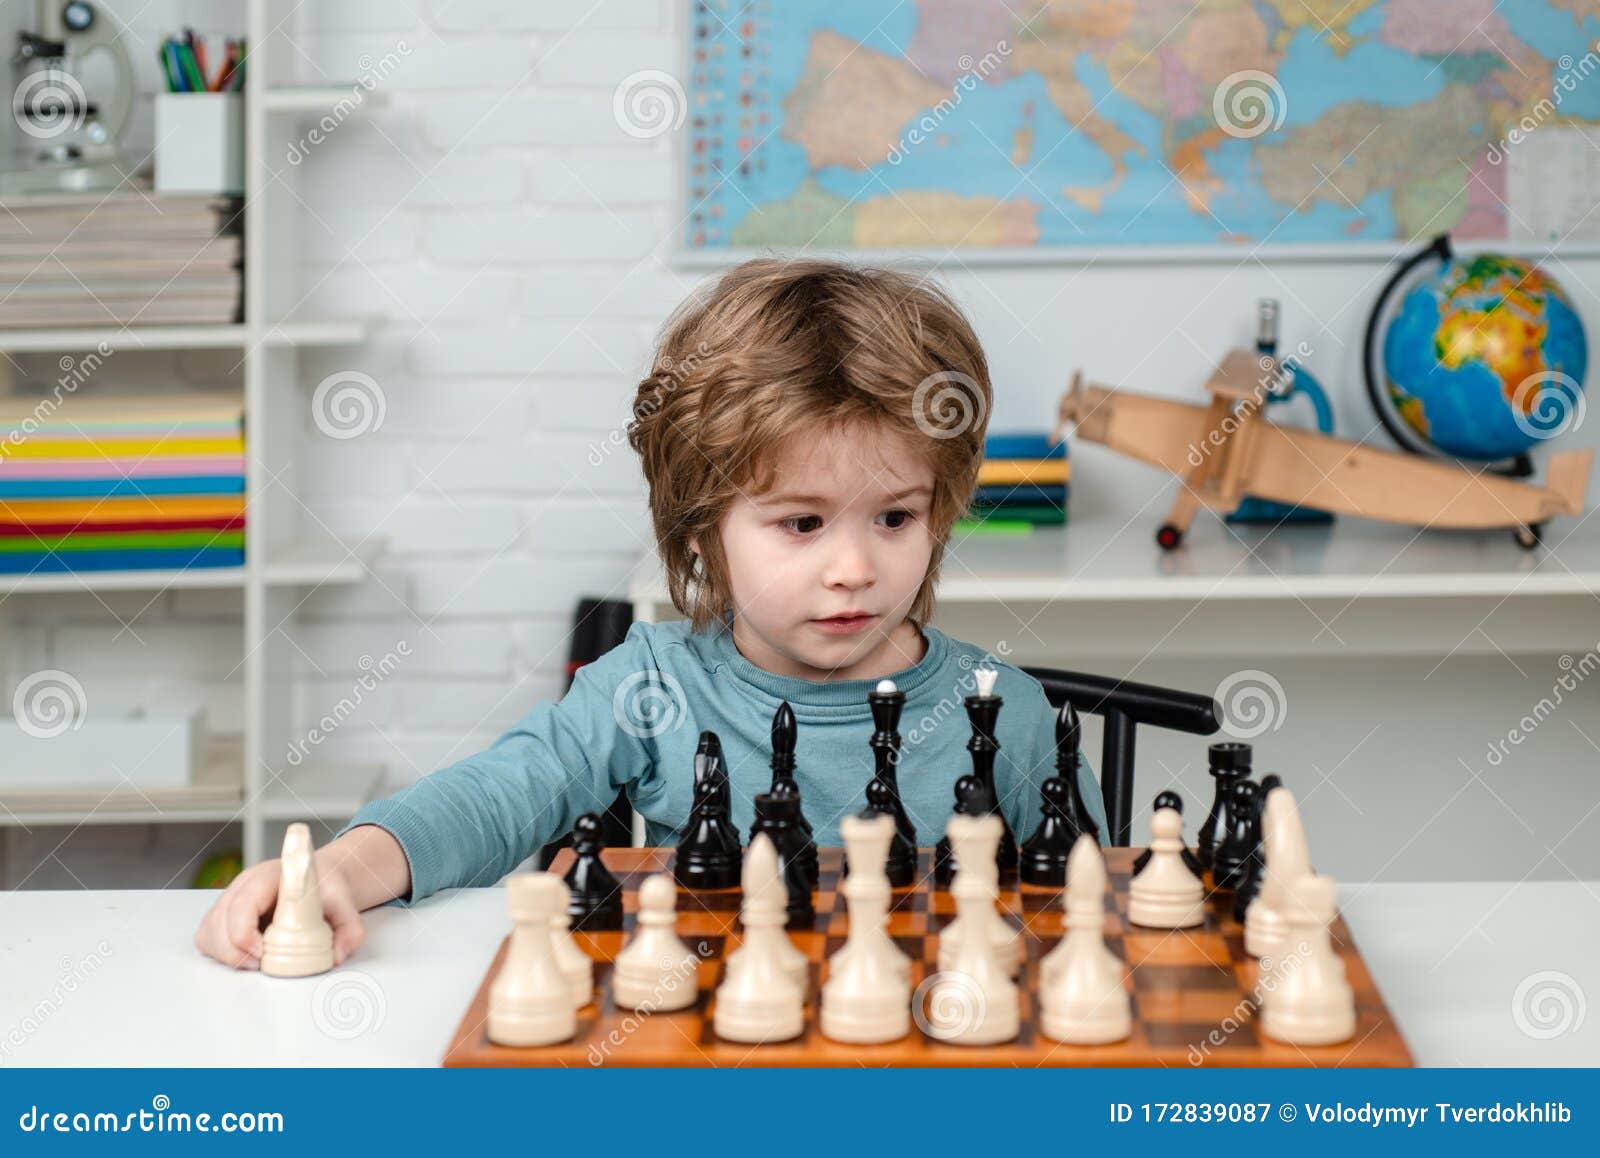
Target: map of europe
(1020, 123)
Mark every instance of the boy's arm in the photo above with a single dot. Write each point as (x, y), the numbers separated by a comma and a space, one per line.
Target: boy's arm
(474, 821)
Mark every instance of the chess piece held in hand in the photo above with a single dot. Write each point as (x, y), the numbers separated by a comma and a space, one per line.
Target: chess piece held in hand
(299, 942)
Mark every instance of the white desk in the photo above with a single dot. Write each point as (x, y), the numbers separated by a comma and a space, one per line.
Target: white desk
(1448, 957)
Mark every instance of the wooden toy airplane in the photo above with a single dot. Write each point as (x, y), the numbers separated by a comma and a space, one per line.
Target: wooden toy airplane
(1227, 450)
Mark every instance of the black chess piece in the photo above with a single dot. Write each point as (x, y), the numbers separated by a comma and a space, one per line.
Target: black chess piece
(970, 801)
(1251, 885)
(777, 820)
(886, 708)
(983, 712)
(784, 784)
(1044, 854)
(1229, 763)
(709, 856)
(1069, 743)
(596, 903)
(1231, 864)
(901, 866)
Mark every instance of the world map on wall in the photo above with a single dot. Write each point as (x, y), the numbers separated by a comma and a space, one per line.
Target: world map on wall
(982, 123)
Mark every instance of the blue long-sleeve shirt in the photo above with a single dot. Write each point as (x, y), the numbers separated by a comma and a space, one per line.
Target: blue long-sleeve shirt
(632, 719)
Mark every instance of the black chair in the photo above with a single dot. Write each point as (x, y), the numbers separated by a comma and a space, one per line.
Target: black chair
(1124, 706)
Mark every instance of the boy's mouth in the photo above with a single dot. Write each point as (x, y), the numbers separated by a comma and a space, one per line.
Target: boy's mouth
(846, 623)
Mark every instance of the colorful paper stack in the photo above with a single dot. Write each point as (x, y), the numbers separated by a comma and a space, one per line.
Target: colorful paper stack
(130, 483)
(1022, 484)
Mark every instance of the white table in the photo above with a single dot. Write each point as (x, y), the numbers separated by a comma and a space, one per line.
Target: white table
(112, 978)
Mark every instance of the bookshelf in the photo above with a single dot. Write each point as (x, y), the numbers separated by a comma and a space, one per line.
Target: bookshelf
(246, 779)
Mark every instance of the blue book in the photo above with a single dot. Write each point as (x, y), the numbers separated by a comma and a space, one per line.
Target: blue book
(1056, 495)
(41, 562)
(103, 488)
(1022, 444)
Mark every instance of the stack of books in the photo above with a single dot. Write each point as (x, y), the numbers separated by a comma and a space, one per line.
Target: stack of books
(130, 259)
(110, 484)
(1022, 484)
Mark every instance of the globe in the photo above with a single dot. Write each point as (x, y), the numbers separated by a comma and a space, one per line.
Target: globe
(1486, 358)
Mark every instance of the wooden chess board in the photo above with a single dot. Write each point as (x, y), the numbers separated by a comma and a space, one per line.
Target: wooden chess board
(1193, 989)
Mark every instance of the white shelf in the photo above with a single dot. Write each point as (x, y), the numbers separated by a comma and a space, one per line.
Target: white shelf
(290, 332)
(307, 563)
(1101, 560)
(321, 98)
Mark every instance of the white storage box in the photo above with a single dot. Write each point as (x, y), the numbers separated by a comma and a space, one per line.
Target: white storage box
(200, 142)
(145, 751)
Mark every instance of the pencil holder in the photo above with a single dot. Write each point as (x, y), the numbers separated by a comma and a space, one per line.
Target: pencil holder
(200, 142)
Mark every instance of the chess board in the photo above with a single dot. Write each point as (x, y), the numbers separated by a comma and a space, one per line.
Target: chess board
(1193, 990)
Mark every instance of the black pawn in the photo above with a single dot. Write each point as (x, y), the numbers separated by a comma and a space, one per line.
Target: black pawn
(1229, 763)
(1069, 742)
(1251, 885)
(1044, 854)
(776, 818)
(1231, 864)
(596, 903)
(709, 856)
(969, 802)
(1173, 801)
(784, 784)
(902, 863)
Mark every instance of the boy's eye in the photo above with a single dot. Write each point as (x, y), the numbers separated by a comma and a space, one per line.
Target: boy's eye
(904, 518)
(791, 524)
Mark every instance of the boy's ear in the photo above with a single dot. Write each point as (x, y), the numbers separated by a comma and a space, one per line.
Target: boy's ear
(694, 544)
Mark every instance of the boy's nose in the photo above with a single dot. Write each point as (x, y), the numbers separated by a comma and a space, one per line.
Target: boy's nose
(848, 566)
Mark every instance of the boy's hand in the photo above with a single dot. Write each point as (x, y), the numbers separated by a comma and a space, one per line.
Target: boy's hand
(231, 931)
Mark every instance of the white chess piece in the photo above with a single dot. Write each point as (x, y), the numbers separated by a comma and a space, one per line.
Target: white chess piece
(974, 848)
(575, 965)
(655, 970)
(867, 997)
(972, 1000)
(1081, 995)
(1166, 894)
(530, 1002)
(1285, 857)
(299, 942)
(1306, 999)
(759, 1000)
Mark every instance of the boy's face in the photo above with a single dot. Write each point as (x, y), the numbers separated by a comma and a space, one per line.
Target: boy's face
(844, 530)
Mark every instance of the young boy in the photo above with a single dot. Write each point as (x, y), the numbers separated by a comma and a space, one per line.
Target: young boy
(809, 431)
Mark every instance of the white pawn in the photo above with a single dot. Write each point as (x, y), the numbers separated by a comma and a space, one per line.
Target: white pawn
(655, 970)
(299, 942)
(575, 965)
(1309, 1002)
(972, 1000)
(868, 994)
(1081, 995)
(974, 848)
(1166, 894)
(530, 1002)
(1285, 858)
(759, 1000)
